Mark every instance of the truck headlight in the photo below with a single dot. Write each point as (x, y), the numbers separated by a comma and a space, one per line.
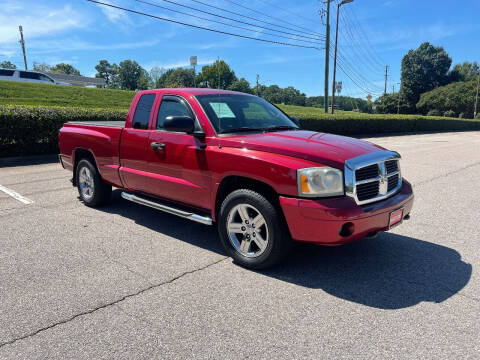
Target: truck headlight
(320, 182)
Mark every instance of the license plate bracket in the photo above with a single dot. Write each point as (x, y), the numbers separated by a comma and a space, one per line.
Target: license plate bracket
(395, 218)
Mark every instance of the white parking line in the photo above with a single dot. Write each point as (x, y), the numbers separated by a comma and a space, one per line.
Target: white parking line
(16, 195)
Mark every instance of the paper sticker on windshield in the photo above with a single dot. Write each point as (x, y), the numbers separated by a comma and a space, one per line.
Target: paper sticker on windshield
(222, 110)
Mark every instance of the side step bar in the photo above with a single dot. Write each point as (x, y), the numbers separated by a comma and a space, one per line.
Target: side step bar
(184, 214)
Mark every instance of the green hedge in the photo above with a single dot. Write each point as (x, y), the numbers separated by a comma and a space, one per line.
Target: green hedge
(388, 124)
(29, 130)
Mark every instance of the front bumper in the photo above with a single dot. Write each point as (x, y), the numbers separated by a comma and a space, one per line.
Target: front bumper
(320, 221)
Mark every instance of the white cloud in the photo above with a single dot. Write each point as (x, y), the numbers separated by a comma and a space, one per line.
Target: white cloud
(114, 15)
(51, 21)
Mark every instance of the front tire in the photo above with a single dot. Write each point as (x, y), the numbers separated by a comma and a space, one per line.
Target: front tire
(252, 230)
(92, 189)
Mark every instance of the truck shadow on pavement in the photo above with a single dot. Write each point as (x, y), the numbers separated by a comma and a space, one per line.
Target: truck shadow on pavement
(389, 272)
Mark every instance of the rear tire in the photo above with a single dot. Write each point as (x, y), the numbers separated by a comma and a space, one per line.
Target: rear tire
(93, 191)
(252, 230)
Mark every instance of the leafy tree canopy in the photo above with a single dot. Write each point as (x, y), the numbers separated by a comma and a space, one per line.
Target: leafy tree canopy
(7, 65)
(217, 75)
(423, 69)
(129, 74)
(391, 103)
(241, 85)
(109, 72)
(63, 68)
(175, 78)
(458, 97)
(465, 71)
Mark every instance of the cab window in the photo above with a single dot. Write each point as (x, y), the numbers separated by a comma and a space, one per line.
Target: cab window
(171, 107)
(143, 110)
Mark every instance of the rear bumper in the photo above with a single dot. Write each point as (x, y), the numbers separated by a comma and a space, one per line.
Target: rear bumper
(320, 221)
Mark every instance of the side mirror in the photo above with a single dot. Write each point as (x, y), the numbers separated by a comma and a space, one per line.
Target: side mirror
(295, 119)
(179, 124)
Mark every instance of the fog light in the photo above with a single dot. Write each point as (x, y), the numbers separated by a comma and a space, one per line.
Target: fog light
(347, 229)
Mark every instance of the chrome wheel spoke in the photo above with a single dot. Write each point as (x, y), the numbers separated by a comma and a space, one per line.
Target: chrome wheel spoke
(243, 212)
(258, 221)
(260, 241)
(245, 246)
(235, 228)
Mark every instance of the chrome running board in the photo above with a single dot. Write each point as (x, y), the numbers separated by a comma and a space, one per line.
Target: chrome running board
(184, 214)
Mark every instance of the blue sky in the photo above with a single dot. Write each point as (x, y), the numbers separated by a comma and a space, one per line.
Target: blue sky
(373, 33)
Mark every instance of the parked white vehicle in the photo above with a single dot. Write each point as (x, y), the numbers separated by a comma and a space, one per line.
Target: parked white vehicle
(27, 76)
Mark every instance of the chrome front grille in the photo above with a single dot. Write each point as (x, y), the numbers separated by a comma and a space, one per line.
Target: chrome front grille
(373, 177)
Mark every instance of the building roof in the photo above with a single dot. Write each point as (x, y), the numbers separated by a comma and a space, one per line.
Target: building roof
(78, 80)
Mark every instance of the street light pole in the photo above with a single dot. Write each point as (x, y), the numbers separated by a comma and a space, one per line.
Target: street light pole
(335, 56)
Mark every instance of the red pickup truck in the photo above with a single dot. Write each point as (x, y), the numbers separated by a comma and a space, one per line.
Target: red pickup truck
(238, 161)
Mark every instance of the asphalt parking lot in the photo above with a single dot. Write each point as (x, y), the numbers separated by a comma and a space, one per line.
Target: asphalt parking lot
(129, 282)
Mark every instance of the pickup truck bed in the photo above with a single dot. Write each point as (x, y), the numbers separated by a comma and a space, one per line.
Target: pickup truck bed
(119, 124)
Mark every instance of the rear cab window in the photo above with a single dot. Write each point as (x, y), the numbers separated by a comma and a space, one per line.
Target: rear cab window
(143, 111)
(5, 72)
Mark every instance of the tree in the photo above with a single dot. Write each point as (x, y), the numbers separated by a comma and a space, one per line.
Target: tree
(64, 68)
(144, 81)
(241, 85)
(41, 67)
(388, 104)
(109, 72)
(175, 78)
(155, 75)
(7, 65)
(217, 75)
(465, 71)
(458, 97)
(423, 69)
(129, 73)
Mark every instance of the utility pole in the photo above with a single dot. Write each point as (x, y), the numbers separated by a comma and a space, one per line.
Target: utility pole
(386, 79)
(22, 42)
(476, 97)
(327, 57)
(335, 57)
(258, 78)
(393, 89)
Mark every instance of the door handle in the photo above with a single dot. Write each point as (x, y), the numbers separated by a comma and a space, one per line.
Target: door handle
(157, 146)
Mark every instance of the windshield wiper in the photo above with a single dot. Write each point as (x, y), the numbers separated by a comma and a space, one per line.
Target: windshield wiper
(281, 127)
(239, 129)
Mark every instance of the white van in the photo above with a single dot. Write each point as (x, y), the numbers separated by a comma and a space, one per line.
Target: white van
(27, 76)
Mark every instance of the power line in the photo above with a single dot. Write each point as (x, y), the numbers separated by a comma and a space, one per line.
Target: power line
(364, 38)
(202, 27)
(362, 54)
(252, 18)
(264, 14)
(289, 12)
(224, 17)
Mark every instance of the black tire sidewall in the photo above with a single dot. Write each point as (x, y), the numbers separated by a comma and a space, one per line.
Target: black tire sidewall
(273, 222)
(97, 183)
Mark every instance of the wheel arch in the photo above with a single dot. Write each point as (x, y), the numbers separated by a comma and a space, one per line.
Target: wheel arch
(234, 182)
(81, 154)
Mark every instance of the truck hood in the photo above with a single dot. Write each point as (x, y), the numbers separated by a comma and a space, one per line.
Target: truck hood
(326, 149)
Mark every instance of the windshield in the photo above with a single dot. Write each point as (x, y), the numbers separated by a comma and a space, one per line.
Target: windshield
(231, 113)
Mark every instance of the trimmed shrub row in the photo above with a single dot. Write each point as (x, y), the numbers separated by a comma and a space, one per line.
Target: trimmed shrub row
(28, 130)
(31, 130)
